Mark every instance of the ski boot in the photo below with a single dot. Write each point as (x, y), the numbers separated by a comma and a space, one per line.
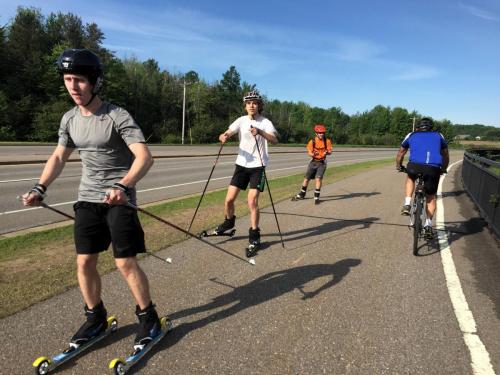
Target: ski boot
(253, 242)
(151, 331)
(316, 196)
(96, 324)
(222, 229)
(149, 326)
(300, 196)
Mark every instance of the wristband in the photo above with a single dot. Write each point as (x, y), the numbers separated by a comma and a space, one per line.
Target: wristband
(121, 187)
(42, 187)
(38, 190)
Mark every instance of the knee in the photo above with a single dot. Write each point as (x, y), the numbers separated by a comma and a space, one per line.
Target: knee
(86, 263)
(126, 265)
(253, 204)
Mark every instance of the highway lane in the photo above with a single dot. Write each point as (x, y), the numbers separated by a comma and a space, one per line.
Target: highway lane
(169, 178)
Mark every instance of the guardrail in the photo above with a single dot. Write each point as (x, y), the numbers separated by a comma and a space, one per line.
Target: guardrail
(482, 181)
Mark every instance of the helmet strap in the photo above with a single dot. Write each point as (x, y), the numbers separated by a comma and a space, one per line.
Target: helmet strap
(91, 99)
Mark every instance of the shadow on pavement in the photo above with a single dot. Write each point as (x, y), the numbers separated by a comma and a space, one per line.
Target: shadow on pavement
(263, 289)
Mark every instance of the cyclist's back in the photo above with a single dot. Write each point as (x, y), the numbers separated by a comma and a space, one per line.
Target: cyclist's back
(425, 147)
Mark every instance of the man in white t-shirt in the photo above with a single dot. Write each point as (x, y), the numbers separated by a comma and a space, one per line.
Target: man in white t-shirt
(254, 130)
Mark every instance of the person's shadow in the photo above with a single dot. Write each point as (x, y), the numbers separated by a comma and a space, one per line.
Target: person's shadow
(261, 290)
(347, 196)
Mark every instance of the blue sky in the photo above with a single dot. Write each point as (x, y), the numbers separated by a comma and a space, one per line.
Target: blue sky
(440, 57)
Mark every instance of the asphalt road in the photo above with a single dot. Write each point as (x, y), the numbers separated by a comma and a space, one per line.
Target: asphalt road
(346, 296)
(178, 171)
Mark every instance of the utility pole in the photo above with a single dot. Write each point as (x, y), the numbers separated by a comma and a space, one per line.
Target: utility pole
(414, 119)
(183, 111)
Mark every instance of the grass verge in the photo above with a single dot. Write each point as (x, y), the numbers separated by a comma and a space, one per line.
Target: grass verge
(39, 265)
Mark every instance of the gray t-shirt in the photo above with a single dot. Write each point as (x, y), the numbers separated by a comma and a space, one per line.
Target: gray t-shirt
(102, 140)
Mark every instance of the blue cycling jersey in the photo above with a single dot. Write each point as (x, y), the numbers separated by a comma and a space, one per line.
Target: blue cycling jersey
(425, 147)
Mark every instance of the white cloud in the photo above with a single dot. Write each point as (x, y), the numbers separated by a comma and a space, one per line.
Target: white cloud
(416, 72)
(480, 13)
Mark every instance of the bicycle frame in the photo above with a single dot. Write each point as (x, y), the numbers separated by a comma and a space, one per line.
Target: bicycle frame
(418, 212)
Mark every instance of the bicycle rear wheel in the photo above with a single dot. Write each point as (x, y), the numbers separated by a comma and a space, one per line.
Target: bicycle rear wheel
(417, 223)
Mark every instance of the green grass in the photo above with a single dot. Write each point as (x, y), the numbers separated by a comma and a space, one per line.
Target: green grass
(39, 265)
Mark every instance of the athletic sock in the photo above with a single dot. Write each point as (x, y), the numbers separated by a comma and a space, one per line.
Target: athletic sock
(316, 193)
(407, 201)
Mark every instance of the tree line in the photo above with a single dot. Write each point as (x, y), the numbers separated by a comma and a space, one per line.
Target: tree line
(33, 97)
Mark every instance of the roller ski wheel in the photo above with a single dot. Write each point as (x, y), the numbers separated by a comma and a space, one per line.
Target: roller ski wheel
(120, 366)
(252, 250)
(44, 365)
(214, 233)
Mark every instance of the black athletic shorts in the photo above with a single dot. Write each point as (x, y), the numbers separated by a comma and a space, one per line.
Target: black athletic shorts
(315, 169)
(431, 176)
(242, 176)
(99, 224)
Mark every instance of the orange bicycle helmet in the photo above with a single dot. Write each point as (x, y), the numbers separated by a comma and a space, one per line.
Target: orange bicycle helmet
(318, 128)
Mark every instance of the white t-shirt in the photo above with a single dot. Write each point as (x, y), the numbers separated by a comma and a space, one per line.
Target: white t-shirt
(248, 156)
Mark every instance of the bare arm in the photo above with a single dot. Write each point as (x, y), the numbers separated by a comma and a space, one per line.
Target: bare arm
(51, 171)
(446, 158)
(141, 165)
(400, 156)
(225, 136)
(271, 137)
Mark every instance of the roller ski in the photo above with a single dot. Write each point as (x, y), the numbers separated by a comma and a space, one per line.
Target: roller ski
(96, 328)
(299, 197)
(151, 331)
(225, 229)
(253, 242)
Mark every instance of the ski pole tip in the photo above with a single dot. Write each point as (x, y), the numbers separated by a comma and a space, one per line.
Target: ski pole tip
(252, 262)
(168, 260)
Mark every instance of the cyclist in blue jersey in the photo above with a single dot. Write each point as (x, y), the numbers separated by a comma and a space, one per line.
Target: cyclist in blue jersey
(428, 156)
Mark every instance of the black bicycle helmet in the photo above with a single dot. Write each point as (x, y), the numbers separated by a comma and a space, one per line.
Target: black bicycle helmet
(425, 123)
(252, 95)
(80, 61)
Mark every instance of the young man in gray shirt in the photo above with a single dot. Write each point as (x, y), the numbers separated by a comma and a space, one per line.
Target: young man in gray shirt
(114, 158)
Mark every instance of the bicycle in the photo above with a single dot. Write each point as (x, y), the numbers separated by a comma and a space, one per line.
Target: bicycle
(418, 213)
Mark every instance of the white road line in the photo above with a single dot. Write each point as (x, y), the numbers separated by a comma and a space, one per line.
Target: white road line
(480, 359)
(177, 185)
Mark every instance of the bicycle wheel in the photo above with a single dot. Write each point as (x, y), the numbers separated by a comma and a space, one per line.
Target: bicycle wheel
(417, 223)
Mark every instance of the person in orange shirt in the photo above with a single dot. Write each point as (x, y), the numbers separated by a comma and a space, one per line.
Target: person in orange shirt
(318, 148)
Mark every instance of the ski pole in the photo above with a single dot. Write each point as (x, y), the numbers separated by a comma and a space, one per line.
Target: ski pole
(251, 261)
(269, 191)
(45, 205)
(206, 185)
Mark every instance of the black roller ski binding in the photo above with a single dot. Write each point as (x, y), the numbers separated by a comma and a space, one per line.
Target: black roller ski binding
(299, 197)
(253, 242)
(225, 229)
(96, 328)
(151, 330)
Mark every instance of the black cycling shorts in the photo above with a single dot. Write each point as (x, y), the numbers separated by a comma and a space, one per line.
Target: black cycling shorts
(97, 225)
(315, 169)
(431, 176)
(243, 176)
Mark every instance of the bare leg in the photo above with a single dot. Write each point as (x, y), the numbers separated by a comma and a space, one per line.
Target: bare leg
(232, 194)
(89, 279)
(431, 206)
(409, 187)
(136, 280)
(253, 205)
(319, 182)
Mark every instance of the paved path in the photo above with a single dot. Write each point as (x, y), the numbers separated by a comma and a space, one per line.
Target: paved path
(346, 296)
